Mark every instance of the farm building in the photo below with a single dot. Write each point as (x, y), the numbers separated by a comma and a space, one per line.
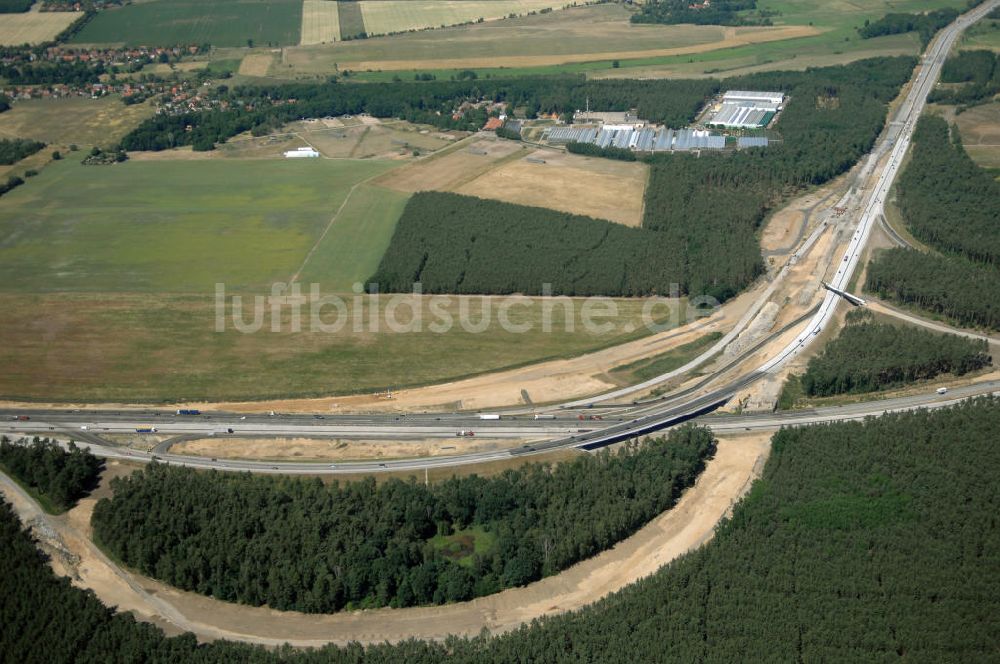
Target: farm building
(751, 142)
(609, 118)
(748, 98)
(742, 109)
(301, 153)
(646, 139)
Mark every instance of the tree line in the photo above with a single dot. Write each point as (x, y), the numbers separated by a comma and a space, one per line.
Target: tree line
(868, 356)
(300, 545)
(60, 476)
(52, 72)
(15, 6)
(925, 24)
(266, 108)
(13, 150)
(953, 205)
(716, 12)
(851, 547)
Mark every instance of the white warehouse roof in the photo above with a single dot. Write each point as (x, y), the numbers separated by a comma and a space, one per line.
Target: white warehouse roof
(300, 153)
(736, 96)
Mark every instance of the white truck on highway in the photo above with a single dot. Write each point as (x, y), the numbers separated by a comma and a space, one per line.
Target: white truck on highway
(489, 416)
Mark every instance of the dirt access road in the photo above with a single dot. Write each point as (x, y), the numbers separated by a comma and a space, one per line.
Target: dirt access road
(690, 524)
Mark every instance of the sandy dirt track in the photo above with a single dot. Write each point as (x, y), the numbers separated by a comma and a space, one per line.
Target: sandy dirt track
(306, 449)
(690, 524)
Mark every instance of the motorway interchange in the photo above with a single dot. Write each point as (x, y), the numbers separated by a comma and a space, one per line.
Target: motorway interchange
(572, 424)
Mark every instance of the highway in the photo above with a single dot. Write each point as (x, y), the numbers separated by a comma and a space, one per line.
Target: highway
(567, 429)
(895, 143)
(64, 426)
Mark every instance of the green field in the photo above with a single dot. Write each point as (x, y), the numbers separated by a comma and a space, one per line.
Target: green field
(160, 347)
(985, 34)
(351, 250)
(219, 23)
(174, 226)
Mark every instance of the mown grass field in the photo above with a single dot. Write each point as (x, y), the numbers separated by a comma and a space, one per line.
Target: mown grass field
(985, 34)
(163, 347)
(176, 226)
(219, 23)
(33, 27)
(351, 250)
(77, 120)
(605, 29)
(601, 28)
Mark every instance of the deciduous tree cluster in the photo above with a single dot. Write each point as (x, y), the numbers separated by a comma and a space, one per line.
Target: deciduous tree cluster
(13, 150)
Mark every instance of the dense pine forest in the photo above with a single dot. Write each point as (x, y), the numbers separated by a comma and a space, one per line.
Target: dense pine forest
(953, 205)
(59, 477)
(958, 289)
(867, 356)
(701, 212)
(863, 541)
(298, 544)
(947, 200)
(461, 244)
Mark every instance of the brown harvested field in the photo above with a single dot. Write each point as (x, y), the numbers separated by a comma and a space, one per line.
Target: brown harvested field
(256, 64)
(980, 129)
(450, 169)
(79, 120)
(320, 22)
(590, 186)
(689, 525)
(33, 27)
(337, 449)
